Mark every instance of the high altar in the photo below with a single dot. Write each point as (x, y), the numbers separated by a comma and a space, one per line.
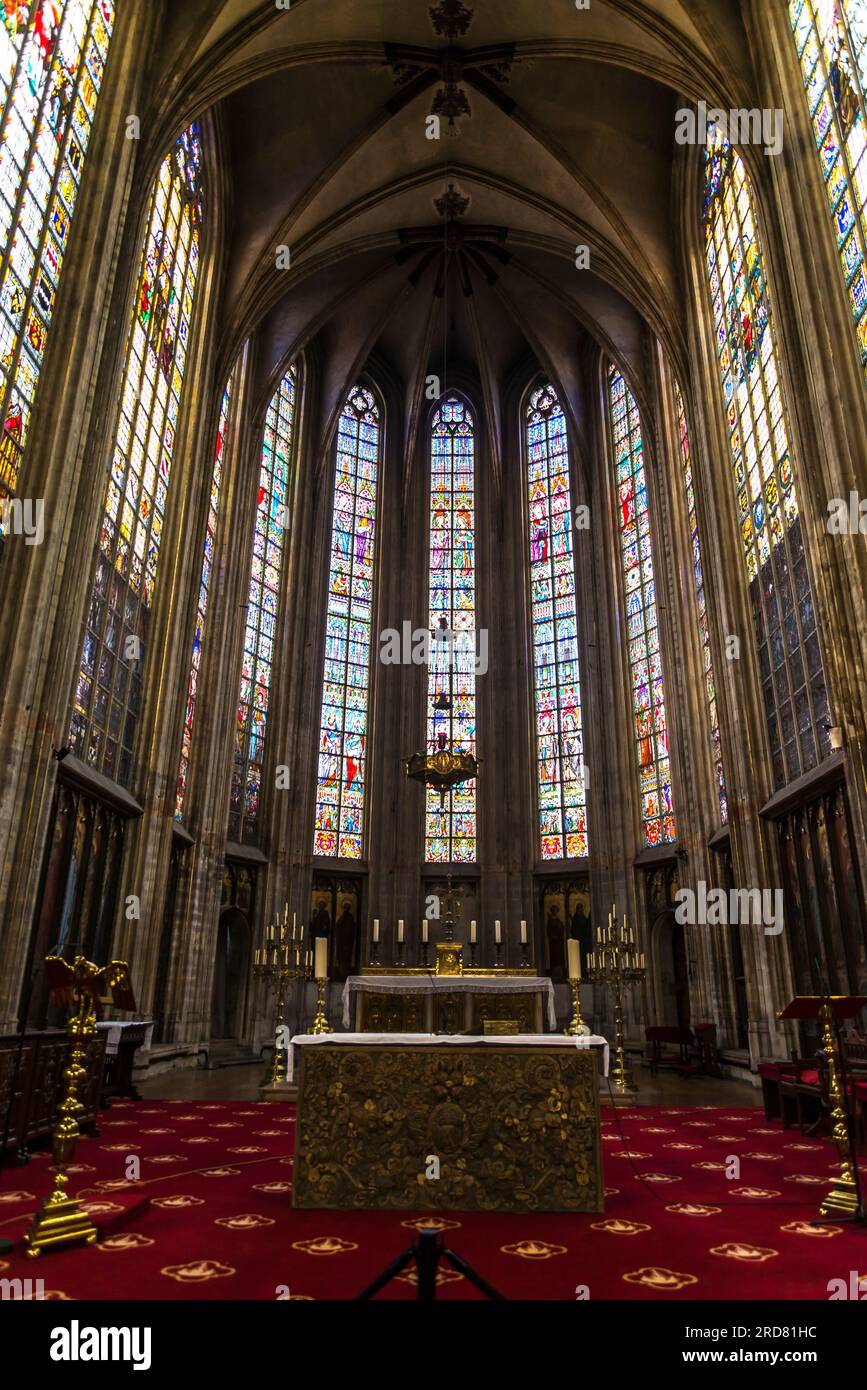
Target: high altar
(391, 999)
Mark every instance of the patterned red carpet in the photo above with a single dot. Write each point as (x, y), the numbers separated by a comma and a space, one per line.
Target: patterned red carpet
(218, 1222)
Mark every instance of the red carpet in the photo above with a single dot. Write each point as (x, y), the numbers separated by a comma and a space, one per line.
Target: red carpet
(219, 1223)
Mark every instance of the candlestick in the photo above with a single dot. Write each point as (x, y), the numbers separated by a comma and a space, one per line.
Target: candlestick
(320, 1022)
(617, 964)
(277, 962)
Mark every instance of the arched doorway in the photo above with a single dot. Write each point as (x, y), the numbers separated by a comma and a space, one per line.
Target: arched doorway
(231, 969)
(670, 971)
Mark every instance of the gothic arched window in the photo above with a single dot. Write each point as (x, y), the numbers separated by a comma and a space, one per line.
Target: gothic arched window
(339, 828)
(263, 603)
(831, 37)
(701, 600)
(108, 691)
(781, 596)
(52, 58)
(650, 726)
(202, 605)
(560, 778)
(450, 827)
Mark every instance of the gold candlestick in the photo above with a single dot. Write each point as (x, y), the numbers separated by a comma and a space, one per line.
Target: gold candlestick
(280, 959)
(62, 1221)
(320, 1022)
(617, 963)
(843, 1197)
(577, 1026)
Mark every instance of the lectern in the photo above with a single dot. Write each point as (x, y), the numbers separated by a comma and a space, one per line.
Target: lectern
(845, 1196)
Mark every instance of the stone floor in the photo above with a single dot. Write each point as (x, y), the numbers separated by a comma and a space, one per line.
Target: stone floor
(242, 1083)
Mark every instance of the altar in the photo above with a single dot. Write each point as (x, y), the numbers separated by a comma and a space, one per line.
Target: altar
(418, 1001)
(418, 1123)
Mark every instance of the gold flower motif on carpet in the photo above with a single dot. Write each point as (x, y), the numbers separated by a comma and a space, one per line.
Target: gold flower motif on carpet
(806, 1228)
(659, 1177)
(765, 1158)
(248, 1149)
(101, 1208)
(632, 1153)
(81, 1168)
(276, 1187)
(698, 1124)
(249, 1221)
(177, 1202)
(198, 1271)
(611, 1192)
(656, 1129)
(444, 1276)
(18, 1196)
(709, 1166)
(763, 1131)
(164, 1158)
(220, 1172)
(617, 1227)
(325, 1245)
(226, 1124)
(125, 1240)
(657, 1277)
(724, 1138)
(200, 1139)
(156, 1131)
(693, 1209)
(738, 1250)
(533, 1250)
(809, 1178)
(760, 1193)
(268, 1133)
(112, 1184)
(802, 1148)
(431, 1223)
(683, 1148)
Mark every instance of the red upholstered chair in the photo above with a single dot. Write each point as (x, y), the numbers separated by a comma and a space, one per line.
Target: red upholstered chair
(803, 1095)
(680, 1040)
(771, 1074)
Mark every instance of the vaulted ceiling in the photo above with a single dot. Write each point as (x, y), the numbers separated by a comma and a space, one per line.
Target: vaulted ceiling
(563, 136)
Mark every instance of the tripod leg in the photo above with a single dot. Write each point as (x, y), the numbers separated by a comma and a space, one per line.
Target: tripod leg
(469, 1273)
(427, 1257)
(382, 1279)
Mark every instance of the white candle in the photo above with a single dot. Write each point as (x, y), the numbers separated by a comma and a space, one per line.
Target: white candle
(320, 958)
(301, 933)
(473, 932)
(294, 915)
(424, 930)
(376, 929)
(573, 949)
(498, 933)
(523, 932)
(400, 930)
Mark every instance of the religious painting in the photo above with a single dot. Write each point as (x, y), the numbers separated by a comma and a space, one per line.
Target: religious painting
(565, 914)
(334, 913)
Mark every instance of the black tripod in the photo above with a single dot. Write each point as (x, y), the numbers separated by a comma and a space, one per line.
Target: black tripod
(427, 1252)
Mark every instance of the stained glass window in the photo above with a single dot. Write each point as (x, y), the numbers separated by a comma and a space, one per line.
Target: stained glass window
(202, 606)
(562, 794)
(343, 727)
(450, 827)
(790, 657)
(263, 603)
(52, 57)
(831, 36)
(701, 599)
(650, 727)
(108, 691)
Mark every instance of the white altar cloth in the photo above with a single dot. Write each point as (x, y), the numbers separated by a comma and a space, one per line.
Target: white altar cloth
(449, 984)
(446, 1040)
(116, 1028)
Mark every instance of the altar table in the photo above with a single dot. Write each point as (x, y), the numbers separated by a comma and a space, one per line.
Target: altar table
(421, 1123)
(427, 1003)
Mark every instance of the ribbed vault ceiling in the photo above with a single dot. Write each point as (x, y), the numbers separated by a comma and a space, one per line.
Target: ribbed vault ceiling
(569, 141)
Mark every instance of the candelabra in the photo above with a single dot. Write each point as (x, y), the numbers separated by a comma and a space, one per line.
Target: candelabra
(282, 958)
(618, 963)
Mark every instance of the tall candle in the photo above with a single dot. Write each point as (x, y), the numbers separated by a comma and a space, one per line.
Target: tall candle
(573, 949)
(523, 932)
(424, 930)
(320, 967)
(400, 930)
(498, 934)
(473, 932)
(301, 933)
(294, 915)
(376, 930)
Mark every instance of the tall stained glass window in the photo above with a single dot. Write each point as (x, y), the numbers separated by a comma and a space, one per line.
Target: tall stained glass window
(781, 595)
(52, 57)
(701, 599)
(263, 602)
(108, 691)
(562, 795)
(202, 606)
(650, 726)
(340, 787)
(831, 37)
(450, 827)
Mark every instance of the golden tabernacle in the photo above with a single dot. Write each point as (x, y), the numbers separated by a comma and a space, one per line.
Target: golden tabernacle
(440, 1125)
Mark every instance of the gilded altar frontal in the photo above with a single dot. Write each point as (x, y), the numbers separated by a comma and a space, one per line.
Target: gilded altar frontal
(433, 670)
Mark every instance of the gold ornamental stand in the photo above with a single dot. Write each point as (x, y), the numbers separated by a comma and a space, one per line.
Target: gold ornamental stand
(617, 963)
(62, 1220)
(845, 1200)
(282, 958)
